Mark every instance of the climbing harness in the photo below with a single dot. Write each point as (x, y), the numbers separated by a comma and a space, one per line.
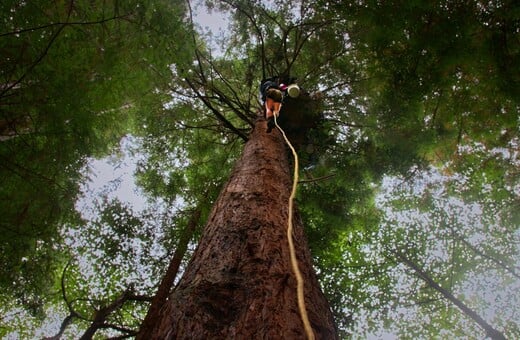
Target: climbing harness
(292, 252)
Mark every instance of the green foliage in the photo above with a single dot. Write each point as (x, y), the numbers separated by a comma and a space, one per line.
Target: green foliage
(72, 82)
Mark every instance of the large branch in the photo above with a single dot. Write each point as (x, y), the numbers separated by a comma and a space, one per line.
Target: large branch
(100, 316)
(64, 324)
(232, 101)
(231, 104)
(72, 313)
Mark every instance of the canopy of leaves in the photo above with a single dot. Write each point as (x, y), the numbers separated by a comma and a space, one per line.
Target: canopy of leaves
(411, 174)
(74, 78)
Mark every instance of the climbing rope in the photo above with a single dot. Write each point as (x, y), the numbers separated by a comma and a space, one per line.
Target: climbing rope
(294, 261)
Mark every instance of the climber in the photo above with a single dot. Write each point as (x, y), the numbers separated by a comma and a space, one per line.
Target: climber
(273, 93)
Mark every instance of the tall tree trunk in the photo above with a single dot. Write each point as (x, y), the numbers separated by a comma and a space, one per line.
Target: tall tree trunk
(239, 283)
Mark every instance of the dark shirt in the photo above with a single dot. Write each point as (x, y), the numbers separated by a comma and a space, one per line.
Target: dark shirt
(267, 84)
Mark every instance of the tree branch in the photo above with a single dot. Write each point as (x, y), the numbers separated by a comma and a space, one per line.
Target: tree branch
(257, 29)
(217, 114)
(64, 324)
(317, 179)
(72, 313)
(101, 315)
(36, 62)
(72, 23)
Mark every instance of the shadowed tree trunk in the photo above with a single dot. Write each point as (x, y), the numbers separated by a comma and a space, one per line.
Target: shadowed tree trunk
(239, 283)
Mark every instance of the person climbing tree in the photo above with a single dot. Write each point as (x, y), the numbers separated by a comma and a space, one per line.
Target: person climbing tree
(273, 92)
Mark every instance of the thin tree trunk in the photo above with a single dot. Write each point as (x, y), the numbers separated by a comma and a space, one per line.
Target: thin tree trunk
(490, 331)
(239, 283)
(498, 262)
(167, 281)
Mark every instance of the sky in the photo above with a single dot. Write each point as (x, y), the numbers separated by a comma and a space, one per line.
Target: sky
(113, 175)
(211, 23)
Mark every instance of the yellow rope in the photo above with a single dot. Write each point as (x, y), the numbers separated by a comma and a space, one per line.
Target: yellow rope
(294, 261)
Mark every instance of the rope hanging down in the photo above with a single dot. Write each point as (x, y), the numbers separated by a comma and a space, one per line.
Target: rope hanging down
(294, 261)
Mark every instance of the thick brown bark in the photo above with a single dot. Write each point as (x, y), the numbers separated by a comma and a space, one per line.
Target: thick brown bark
(239, 283)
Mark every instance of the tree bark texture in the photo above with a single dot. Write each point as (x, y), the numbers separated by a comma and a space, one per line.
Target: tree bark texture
(239, 283)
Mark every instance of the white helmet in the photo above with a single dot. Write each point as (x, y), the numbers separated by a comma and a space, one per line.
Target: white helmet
(293, 90)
